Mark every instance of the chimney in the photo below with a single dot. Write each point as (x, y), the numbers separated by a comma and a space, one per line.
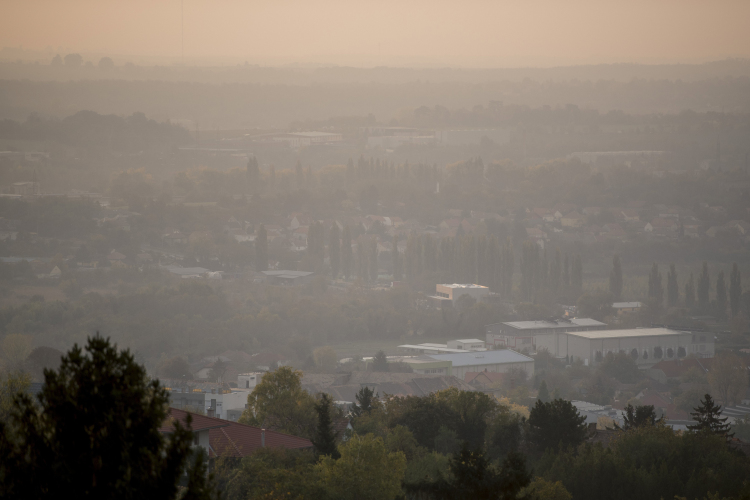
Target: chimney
(262, 438)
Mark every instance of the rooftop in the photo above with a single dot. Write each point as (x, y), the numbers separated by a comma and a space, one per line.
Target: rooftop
(634, 332)
(482, 358)
(560, 323)
(465, 285)
(626, 305)
(287, 273)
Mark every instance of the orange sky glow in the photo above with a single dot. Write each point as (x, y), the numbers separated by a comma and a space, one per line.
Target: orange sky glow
(469, 33)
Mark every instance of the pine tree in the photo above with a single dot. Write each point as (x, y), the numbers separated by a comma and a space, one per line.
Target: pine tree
(365, 400)
(543, 394)
(721, 294)
(380, 362)
(334, 250)
(261, 250)
(690, 292)
(566, 274)
(708, 419)
(615, 278)
(704, 285)
(346, 253)
(324, 440)
(735, 290)
(673, 291)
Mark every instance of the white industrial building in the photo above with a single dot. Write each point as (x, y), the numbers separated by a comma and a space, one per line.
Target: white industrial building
(501, 361)
(524, 334)
(453, 346)
(450, 293)
(647, 346)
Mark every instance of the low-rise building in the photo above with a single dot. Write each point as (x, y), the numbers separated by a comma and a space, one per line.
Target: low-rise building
(523, 334)
(647, 346)
(450, 293)
(501, 361)
(626, 307)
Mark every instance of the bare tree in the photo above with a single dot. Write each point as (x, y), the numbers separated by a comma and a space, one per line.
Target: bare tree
(728, 378)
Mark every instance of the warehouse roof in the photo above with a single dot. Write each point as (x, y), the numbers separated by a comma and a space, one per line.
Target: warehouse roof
(633, 332)
(560, 323)
(482, 358)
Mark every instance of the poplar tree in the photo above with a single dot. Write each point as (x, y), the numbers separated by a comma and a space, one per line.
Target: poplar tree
(261, 250)
(372, 258)
(324, 439)
(334, 250)
(704, 285)
(721, 294)
(655, 289)
(576, 279)
(690, 292)
(396, 259)
(735, 290)
(346, 253)
(555, 271)
(673, 290)
(615, 278)
(566, 274)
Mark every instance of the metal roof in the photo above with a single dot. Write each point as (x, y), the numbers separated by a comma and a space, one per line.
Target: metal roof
(533, 325)
(482, 358)
(287, 273)
(633, 332)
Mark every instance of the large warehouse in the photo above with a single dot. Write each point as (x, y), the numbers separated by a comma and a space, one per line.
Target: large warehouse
(646, 345)
(492, 361)
(524, 334)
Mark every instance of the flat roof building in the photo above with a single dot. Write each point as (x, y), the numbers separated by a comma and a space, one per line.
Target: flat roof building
(501, 361)
(522, 334)
(287, 277)
(647, 346)
(450, 293)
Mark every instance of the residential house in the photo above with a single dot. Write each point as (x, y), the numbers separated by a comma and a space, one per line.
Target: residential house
(223, 438)
(572, 219)
(629, 215)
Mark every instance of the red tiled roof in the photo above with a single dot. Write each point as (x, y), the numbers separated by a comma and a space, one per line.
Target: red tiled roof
(679, 367)
(233, 439)
(199, 422)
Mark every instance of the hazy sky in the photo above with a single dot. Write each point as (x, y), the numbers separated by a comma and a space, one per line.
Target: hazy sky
(385, 32)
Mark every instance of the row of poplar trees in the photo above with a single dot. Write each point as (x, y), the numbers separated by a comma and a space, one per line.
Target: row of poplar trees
(695, 296)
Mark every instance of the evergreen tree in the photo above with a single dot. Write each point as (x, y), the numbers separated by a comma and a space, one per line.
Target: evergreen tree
(334, 250)
(272, 177)
(615, 278)
(543, 394)
(566, 274)
(735, 290)
(365, 399)
(380, 362)
(324, 440)
(362, 269)
(640, 416)
(396, 260)
(94, 432)
(673, 291)
(346, 253)
(554, 423)
(690, 292)
(708, 419)
(721, 294)
(508, 268)
(704, 285)
(261, 250)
